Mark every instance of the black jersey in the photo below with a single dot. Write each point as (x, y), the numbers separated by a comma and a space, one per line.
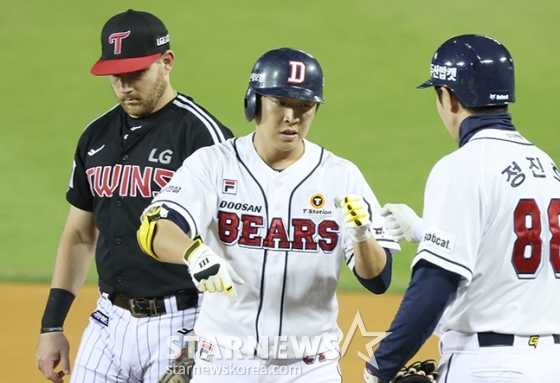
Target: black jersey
(120, 164)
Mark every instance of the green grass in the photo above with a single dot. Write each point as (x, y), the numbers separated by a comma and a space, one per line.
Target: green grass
(373, 54)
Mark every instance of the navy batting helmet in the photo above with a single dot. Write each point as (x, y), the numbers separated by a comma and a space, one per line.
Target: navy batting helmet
(478, 69)
(284, 72)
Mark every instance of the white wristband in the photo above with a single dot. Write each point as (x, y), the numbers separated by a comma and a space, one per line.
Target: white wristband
(359, 234)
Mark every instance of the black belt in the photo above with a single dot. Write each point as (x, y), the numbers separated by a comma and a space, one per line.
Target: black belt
(144, 307)
(492, 339)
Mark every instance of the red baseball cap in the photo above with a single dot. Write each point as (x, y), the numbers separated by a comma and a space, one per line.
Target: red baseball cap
(130, 41)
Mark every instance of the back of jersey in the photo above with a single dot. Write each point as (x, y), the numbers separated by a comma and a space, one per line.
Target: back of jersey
(497, 203)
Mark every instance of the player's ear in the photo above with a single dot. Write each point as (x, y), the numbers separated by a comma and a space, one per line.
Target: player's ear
(448, 100)
(455, 105)
(168, 59)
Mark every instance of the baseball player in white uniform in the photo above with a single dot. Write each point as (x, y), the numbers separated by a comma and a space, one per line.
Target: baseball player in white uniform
(488, 261)
(267, 231)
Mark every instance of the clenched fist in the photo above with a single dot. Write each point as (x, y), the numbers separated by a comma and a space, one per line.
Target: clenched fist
(357, 217)
(402, 222)
(209, 272)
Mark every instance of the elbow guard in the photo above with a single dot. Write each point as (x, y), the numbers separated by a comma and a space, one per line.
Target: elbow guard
(147, 230)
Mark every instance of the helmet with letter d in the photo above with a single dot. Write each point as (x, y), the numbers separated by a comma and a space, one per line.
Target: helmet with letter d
(284, 72)
(477, 69)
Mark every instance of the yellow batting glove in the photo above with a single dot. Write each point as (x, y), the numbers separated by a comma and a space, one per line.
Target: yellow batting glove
(356, 215)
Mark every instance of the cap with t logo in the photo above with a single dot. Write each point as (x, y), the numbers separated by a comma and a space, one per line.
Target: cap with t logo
(130, 41)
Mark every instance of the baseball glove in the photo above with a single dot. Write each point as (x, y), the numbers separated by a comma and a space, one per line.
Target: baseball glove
(181, 369)
(418, 372)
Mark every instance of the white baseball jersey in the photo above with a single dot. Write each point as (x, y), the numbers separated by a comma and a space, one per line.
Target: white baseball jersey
(281, 233)
(491, 214)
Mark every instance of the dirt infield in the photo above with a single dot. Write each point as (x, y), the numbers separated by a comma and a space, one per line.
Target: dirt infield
(25, 303)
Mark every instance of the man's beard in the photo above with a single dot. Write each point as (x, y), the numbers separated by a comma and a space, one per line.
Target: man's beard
(146, 105)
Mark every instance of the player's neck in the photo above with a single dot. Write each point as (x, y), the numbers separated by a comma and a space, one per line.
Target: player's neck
(280, 160)
(165, 98)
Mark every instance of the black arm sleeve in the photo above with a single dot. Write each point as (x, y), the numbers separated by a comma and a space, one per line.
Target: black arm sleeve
(379, 284)
(430, 291)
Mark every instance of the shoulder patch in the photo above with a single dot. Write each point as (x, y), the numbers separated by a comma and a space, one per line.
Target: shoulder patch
(439, 240)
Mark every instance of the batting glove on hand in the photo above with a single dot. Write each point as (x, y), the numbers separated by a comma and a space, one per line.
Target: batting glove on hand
(402, 222)
(209, 272)
(356, 216)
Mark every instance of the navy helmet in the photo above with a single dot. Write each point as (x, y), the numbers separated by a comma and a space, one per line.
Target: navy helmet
(284, 72)
(478, 69)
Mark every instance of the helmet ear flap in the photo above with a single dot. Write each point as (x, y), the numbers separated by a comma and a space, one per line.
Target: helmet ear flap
(251, 104)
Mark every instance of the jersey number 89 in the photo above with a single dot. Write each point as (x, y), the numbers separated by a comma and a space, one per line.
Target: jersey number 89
(528, 247)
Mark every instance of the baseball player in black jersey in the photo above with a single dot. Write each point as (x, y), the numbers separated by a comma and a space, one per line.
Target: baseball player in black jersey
(123, 159)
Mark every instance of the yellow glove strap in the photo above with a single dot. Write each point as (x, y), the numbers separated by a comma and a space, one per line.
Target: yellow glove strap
(146, 232)
(355, 213)
(197, 243)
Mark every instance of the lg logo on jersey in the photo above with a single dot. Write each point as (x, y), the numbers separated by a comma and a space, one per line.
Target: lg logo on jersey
(163, 158)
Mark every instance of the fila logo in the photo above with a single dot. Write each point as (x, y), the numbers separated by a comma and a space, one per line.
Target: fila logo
(297, 74)
(205, 351)
(116, 38)
(229, 187)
